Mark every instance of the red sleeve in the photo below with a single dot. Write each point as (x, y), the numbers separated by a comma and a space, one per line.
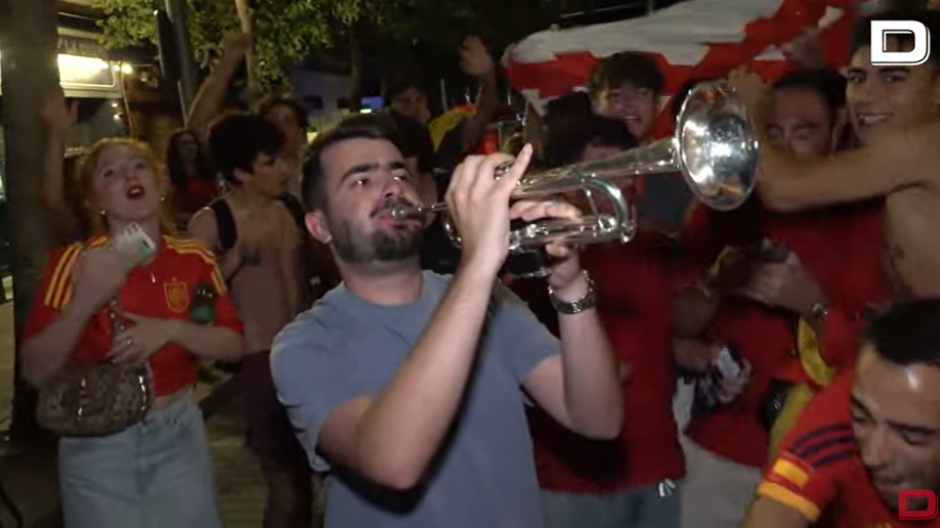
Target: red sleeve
(225, 313)
(815, 456)
(696, 247)
(54, 290)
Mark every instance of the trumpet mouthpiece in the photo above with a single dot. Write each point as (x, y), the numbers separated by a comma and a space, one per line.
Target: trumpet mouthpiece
(401, 212)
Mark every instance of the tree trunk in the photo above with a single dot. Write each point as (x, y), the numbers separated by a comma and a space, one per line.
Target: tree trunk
(355, 72)
(29, 72)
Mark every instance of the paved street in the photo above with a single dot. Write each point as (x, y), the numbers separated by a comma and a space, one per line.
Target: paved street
(31, 480)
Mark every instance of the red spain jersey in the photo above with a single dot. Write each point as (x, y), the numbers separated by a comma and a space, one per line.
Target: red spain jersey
(163, 290)
(635, 306)
(834, 247)
(818, 471)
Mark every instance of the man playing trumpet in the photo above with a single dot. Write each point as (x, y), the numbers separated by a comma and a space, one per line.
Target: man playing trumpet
(403, 385)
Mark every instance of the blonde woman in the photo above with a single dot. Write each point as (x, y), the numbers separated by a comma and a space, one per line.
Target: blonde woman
(158, 471)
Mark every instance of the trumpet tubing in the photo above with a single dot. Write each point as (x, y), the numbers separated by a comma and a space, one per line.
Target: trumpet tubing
(714, 147)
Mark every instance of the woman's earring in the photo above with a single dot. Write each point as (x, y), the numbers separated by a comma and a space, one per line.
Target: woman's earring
(103, 213)
(163, 198)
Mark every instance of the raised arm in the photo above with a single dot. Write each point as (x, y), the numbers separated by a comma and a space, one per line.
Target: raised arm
(895, 160)
(475, 60)
(581, 387)
(211, 96)
(59, 117)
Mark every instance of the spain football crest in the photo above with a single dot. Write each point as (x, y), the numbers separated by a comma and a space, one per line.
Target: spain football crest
(177, 296)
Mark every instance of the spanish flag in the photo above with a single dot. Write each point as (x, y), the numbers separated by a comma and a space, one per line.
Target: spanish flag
(447, 121)
(818, 375)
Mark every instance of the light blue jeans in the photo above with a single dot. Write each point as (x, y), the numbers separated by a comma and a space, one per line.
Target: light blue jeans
(156, 474)
(642, 507)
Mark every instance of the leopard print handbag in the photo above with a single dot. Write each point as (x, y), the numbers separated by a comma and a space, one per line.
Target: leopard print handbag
(99, 399)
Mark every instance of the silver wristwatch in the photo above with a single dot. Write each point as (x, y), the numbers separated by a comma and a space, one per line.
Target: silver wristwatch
(588, 301)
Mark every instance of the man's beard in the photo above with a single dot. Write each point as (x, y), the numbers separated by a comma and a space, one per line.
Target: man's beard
(403, 242)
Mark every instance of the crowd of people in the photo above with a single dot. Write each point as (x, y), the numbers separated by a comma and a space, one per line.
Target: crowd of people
(394, 379)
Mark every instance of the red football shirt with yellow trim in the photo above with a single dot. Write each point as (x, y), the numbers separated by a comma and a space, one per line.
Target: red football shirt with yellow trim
(164, 289)
(634, 303)
(818, 472)
(824, 241)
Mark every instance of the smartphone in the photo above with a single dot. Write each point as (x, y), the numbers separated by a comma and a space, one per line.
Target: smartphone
(134, 241)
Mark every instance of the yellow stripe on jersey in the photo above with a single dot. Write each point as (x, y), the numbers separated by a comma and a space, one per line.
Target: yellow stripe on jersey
(198, 248)
(789, 498)
(99, 241)
(217, 280)
(61, 280)
(194, 244)
(791, 472)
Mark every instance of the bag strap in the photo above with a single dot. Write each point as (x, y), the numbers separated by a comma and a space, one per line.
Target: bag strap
(225, 223)
(295, 208)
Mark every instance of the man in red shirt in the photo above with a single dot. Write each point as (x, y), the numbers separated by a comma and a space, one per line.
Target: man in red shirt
(728, 443)
(627, 86)
(870, 434)
(630, 481)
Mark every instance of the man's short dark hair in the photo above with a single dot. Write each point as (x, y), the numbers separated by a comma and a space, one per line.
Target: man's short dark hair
(414, 140)
(626, 66)
(907, 333)
(237, 139)
(397, 85)
(572, 105)
(271, 102)
(566, 145)
(827, 84)
(861, 36)
(313, 185)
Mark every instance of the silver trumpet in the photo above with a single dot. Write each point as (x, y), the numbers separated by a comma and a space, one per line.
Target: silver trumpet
(715, 148)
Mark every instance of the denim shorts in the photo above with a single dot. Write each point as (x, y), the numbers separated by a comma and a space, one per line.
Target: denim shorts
(155, 474)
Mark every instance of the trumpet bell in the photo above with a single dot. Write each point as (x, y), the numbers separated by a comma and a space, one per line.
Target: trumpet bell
(716, 146)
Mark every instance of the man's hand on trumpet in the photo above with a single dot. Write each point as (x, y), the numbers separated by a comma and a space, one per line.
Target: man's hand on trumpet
(566, 270)
(479, 204)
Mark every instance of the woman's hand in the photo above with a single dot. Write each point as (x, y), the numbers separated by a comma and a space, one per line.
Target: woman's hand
(58, 114)
(139, 342)
(99, 275)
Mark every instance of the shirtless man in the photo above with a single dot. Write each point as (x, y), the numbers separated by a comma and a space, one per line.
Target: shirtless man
(290, 118)
(286, 114)
(896, 114)
(257, 242)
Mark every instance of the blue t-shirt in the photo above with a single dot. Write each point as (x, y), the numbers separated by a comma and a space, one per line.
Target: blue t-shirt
(484, 475)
